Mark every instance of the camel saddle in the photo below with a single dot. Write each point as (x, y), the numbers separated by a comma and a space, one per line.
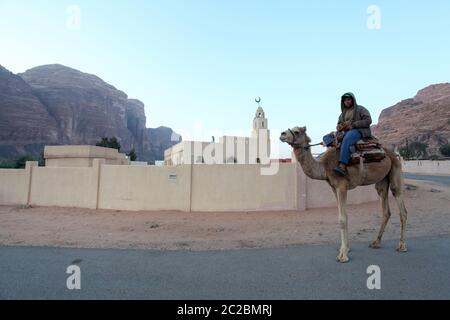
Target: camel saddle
(366, 150)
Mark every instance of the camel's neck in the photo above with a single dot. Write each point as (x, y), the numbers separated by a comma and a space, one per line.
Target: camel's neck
(311, 167)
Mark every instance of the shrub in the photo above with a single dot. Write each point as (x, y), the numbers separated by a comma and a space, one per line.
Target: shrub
(445, 150)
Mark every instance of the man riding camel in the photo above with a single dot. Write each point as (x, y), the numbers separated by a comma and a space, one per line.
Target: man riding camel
(355, 123)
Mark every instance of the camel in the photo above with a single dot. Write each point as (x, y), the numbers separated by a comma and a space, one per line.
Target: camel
(386, 175)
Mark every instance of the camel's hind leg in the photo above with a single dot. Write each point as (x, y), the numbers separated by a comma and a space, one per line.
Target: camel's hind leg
(396, 185)
(383, 191)
(403, 217)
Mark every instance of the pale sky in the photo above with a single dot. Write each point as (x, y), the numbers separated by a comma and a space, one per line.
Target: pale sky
(198, 65)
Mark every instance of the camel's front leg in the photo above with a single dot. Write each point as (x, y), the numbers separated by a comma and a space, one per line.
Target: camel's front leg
(341, 196)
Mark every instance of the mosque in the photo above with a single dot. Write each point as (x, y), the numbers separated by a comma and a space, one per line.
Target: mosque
(229, 150)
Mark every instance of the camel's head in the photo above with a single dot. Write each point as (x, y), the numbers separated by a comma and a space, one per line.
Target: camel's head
(296, 137)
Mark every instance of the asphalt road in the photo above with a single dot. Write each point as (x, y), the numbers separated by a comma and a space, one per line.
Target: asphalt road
(304, 272)
(445, 180)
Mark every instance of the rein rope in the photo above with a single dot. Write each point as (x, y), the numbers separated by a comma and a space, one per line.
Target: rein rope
(305, 147)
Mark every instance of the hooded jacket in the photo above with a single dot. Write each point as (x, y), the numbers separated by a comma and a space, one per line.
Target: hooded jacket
(361, 117)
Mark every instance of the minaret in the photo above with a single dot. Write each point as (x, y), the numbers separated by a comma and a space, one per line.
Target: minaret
(260, 121)
(261, 132)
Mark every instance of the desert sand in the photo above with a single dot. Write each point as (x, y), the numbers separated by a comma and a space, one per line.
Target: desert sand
(427, 204)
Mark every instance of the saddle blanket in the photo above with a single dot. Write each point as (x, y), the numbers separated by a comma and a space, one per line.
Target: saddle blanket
(369, 150)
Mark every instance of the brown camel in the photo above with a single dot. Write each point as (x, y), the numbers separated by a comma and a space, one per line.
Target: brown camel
(386, 175)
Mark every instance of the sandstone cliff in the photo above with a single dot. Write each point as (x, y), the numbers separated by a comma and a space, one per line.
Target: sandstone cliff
(25, 123)
(160, 138)
(424, 118)
(54, 104)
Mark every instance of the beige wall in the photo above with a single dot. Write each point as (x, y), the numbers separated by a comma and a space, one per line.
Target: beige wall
(81, 156)
(230, 187)
(65, 187)
(14, 186)
(427, 167)
(144, 188)
(243, 150)
(242, 187)
(72, 162)
(80, 162)
(319, 195)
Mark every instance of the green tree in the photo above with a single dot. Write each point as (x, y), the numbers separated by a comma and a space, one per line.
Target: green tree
(7, 164)
(132, 155)
(109, 143)
(445, 150)
(41, 159)
(21, 162)
(103, 143)
(414, 150)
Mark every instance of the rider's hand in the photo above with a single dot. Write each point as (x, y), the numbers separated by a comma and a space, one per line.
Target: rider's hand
(346, 126)
(343, 126)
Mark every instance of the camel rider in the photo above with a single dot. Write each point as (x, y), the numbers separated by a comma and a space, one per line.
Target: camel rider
(355, 123)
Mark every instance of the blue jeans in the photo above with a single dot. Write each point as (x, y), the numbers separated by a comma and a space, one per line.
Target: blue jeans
(351, 138)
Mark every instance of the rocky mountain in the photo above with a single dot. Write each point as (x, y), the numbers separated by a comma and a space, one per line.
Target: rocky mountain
(23, 117)
(424, 118)
(161, 138)
(54, 104)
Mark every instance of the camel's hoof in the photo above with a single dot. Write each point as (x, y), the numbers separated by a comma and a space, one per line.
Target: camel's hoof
(342, 258)
(375, 245)
(402, 248)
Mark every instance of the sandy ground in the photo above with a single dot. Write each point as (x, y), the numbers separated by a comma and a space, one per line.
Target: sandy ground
(429, 215)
